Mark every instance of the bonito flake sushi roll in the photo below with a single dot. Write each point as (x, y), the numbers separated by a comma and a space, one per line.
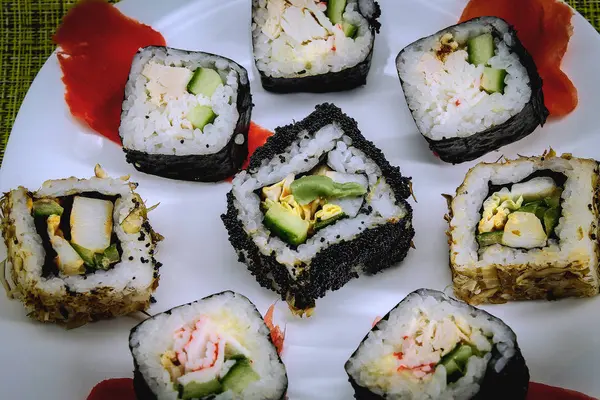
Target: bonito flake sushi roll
(525, 229)
(432, 347)
(313, 46)
(79, 250)
(218, 347)
(186, 114)
(471, 88)
(317, 206)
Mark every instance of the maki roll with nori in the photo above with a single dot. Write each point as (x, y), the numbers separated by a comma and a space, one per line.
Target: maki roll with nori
(472, 88)
(218, 347)
(186, 114)
(317, 206)
(433, 347)
(313, 46)
(526, 229)
(79, 250)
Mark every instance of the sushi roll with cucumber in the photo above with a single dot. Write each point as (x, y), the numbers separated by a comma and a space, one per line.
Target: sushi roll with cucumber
(432, 347)
(186, 114)
(526, 229)
(471, 88)
(318, 206)
(313, 46)
(79, 250)
(218, 347)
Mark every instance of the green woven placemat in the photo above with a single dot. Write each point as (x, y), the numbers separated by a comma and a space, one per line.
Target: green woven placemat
(25, 43)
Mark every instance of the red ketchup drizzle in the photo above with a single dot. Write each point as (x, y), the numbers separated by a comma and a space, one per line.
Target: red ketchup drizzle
(257, 136)
(113, 389)
(97, 44)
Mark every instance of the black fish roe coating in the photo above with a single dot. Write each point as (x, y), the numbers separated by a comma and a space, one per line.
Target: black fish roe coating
(346, 79)
(373, 249)
(206, 167)
(461, 149)
(512, 382)
(141, 387)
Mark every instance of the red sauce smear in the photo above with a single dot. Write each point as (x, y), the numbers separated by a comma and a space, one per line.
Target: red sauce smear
(539, 391)
(257, 136)
(113, 389)
(277, 335)
(544, 27)
(97, 45)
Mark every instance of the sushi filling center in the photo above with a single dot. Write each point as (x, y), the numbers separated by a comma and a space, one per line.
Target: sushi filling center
(206, 360)
(77, 233)
(448, 342)
(523, 216)
(297, 207)
(308, 37)
(463, 82)
(179, 103)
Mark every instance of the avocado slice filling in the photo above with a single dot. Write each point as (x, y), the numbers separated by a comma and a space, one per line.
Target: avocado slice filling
(296, 208)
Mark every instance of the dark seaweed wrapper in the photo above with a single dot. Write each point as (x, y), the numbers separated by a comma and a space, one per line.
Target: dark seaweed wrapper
(369, 252)
(461, 149)
(511, 382)
(203, 167)
(346, 79)
(141, 387)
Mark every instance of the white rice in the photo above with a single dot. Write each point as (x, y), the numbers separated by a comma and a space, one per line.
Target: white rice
(302, 156)
(155, 336)
(278, 54)
(576, 223)
(389, 336)
(164, 129)
(445, 96)
(126, 275)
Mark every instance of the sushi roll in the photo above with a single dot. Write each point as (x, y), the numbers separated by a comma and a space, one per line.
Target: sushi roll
(525, 229)
(313, 46)
(471, 88)
(79, 250)
(186, 114)
(433, 347)
(215, 348)
(317, 206)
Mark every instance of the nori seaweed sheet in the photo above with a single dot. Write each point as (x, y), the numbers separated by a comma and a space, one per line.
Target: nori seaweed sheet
(203, 167)
(369, 252)
(511, 382)
(461, 149)
(141, 387)
(346, 79)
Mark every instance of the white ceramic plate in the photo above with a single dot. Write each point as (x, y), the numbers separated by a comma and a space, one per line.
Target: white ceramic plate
(559, 339)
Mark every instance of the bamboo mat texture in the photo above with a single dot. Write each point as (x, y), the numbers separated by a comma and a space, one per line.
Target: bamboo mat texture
(26, 42)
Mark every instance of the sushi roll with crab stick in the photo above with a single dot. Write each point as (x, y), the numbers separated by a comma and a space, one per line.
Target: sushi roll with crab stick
(79, 250)
(471, 88)
(186, 114)
(218, 347)
(525, 229)
(318, 206)
(432, 347)
(313, 46)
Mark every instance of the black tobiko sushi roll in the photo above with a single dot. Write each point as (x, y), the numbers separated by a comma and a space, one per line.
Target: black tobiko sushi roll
(314, 46)
(186, 114)
(431, 346)
(471, 88)
(318, 206)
